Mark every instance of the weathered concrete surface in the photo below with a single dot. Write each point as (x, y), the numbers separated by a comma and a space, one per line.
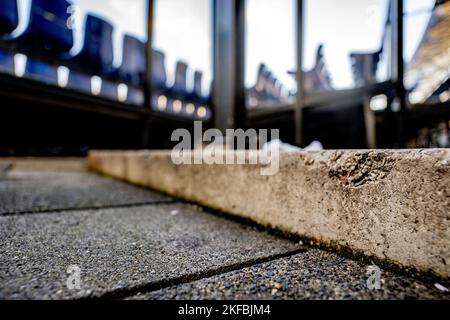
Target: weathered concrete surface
(122, 249)
(393, 205)
(313, 274)
(36, 191)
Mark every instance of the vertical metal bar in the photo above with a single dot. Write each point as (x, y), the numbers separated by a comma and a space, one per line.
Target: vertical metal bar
(398, 68)
(147, 126)
(223, 56)
(229, 30)
(148, 56)
(240, 110)
(370, 124)
(299, 75)
(400, 55)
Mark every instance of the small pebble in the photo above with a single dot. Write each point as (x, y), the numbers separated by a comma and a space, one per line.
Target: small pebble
(174, 212)
(441, 287)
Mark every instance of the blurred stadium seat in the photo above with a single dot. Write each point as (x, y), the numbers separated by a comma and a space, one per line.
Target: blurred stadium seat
(96, 56)
(46, 39)
(9, 16)
(132, 70)
(9, 20)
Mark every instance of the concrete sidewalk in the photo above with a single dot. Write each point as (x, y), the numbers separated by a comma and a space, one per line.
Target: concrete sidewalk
(134, 243)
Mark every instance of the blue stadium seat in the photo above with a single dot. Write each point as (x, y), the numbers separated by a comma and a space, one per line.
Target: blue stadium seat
(109, 89)
(318, 79)
(41, 71)
(132, 69)
(47, 38)
(271, 87)
(178, 94)
(268, 89)
(178, 89)
(197, 92)
(262, 73)
(159, 75)
(48, 33)
(9, 16)
(135, 95)
(79, 81)
(256, 94)
(365, 66)
(96, 55)
(197, 96)
(159, 81)
(6, 62)
(9, 20)
(266, 76)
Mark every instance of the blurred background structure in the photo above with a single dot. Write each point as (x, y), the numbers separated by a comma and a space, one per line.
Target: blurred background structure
(113, 74)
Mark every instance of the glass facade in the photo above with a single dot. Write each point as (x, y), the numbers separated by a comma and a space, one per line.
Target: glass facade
(427, 55)
(182, 57)
(94, 47)
(427, 70)
(270, 55)
(346, 44)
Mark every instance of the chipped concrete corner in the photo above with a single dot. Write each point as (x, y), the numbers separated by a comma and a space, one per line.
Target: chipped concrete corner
(393, 205)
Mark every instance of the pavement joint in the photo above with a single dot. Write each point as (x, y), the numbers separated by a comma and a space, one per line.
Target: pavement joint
(166, 283)
(90, 208)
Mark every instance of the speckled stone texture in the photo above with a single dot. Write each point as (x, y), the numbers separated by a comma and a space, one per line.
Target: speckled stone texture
(36, 191)
(313, 274)
(121, 249)
(393, 205)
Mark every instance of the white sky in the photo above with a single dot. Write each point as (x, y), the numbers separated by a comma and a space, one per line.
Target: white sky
(418, 15)
(270, 38)
(182, 29)
(343, 27)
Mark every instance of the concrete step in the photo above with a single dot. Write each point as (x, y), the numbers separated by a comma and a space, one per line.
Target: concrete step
(386, 204)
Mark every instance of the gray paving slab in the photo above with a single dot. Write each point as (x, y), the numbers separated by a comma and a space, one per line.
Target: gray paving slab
(44, 164)
(123, 249)
(35, 191)
(314, 274)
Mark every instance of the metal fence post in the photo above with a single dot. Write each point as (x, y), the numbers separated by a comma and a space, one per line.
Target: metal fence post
(228, 88)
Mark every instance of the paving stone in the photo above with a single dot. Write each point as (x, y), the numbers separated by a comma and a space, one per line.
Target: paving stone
(314, 274)
(122, 249)
(35, 191)
(53, 164)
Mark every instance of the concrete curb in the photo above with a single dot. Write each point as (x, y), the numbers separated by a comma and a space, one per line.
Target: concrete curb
(393, 205)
